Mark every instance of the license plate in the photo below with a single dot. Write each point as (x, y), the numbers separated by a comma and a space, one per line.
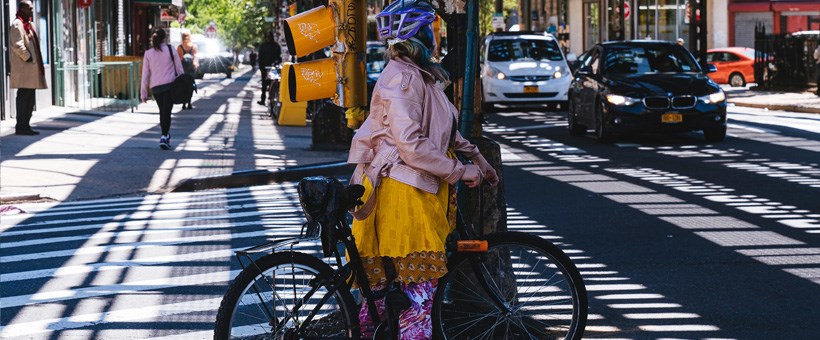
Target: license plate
(530, 89)
(671, 118)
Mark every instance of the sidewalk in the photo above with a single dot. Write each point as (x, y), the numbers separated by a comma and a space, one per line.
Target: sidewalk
(83, 155)
(807, 102)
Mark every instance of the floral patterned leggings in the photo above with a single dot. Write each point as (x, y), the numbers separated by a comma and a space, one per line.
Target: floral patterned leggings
(415, 322)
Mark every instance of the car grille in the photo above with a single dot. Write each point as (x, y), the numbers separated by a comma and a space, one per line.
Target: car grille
(683, 102)
(678, 102)
(656, 102)
(531, 95)
(529, 78)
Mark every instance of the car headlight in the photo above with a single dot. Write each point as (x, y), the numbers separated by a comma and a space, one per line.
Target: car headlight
(714, 98)
(615, 99)
(496, 73)
(557, 74)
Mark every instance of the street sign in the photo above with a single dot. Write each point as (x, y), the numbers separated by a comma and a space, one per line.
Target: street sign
(210, 31)
(627, 10)
(166, 15)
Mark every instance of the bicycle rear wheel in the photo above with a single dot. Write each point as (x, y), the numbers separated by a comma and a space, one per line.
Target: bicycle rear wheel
(541, 292)
(260, 302)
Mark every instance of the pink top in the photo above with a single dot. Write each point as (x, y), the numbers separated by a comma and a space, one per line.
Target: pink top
(157, 68)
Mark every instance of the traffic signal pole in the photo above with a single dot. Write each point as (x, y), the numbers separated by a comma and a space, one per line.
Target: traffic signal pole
(470, 71)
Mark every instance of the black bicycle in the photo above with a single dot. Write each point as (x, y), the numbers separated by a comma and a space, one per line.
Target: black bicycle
(502, 285)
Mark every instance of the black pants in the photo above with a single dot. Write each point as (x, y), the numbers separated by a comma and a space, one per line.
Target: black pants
(265, 83)
(166, 104)
(817, 77)
(25, 106)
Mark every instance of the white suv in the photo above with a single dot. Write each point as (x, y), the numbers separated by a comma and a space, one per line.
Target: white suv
(523, 68)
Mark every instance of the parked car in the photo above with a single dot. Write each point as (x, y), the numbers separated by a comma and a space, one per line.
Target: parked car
(213, 57)
(523, 68)
(644, 86)
(735, 65)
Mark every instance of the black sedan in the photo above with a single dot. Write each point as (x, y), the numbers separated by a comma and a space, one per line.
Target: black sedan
(644, 86)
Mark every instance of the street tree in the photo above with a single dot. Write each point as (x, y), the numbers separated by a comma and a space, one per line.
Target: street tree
(241, 23)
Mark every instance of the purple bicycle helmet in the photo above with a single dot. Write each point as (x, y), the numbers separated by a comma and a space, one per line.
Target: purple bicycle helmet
(403, 19)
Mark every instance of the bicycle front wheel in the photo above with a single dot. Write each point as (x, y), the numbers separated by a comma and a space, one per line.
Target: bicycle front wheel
(523, 288)
(285, 296)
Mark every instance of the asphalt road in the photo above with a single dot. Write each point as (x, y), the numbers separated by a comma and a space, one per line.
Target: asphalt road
(675, 237)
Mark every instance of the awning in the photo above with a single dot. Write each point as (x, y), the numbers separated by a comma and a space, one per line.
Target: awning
(795, 6)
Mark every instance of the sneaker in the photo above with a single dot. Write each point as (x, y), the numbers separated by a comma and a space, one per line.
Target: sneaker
(164, 143)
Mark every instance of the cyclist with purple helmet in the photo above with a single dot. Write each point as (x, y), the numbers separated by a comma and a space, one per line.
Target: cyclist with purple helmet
(405, 156)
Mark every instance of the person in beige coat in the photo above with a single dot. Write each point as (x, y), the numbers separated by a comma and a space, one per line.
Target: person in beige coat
(27, 71)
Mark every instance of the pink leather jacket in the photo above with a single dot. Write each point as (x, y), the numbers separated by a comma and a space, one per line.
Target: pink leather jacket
(407, 134)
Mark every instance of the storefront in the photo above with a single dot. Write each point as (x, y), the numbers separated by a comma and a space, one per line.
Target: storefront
(4, 89)
(42, 11)
(775, 15)
(607, 20)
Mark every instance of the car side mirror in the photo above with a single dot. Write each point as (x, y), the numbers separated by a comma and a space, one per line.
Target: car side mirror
(584, 70)
(571, 57)
(711, 68)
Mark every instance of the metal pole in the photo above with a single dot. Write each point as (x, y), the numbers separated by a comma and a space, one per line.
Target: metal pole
(467, 96)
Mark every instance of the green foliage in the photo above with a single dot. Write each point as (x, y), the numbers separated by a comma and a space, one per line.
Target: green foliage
(240, 23)
(486, 11)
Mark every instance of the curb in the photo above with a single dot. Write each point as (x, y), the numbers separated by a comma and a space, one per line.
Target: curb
(792, 108)
(17, 197)
(247, 178)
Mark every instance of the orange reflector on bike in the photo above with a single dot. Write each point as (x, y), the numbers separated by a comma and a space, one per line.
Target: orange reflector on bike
(472, 245)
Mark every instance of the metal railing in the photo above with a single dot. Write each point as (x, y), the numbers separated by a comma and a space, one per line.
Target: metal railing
(784, 61)
(100, 86)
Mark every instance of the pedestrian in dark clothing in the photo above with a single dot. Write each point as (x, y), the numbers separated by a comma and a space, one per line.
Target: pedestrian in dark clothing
(27, 70)
(817, 67)
(269, 54)
(252, 58)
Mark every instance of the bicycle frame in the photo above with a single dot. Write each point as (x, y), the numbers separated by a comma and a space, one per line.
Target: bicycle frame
(342, 275)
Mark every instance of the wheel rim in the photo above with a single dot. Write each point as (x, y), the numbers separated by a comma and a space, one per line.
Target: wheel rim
(541, 299)
(736, 80)
(290, 282)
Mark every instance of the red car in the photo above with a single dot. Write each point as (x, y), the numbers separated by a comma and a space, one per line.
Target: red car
(735, 65)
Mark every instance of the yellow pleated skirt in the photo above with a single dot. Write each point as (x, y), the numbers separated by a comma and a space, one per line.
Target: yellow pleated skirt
(408, 225)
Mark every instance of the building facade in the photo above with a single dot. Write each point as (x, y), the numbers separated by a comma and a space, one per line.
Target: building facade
(776, 16)
(76, 42)
(593, 21)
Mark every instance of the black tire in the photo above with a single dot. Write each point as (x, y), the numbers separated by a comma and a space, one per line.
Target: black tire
(548, 299)
(715, 134)
(602, 134)
(736, 80)
(242, 311)
(575, 129)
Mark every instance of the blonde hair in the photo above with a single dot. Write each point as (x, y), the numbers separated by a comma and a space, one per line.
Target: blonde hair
(421, 56)
(186, 36)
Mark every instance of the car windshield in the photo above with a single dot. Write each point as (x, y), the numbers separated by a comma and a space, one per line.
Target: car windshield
(649, 59)
(375, 58)
(523, 49)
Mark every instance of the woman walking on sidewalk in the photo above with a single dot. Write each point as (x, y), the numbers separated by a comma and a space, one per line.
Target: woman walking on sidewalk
(160, 65)
(405, 156)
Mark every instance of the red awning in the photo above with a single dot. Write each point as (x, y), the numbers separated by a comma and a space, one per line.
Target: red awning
(796, 6)
(762, 6)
